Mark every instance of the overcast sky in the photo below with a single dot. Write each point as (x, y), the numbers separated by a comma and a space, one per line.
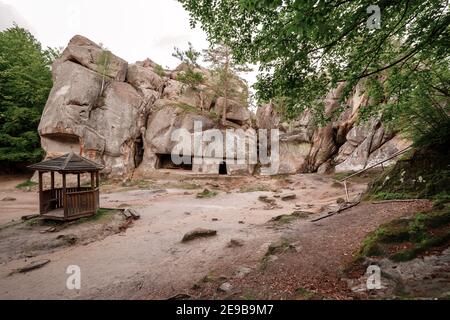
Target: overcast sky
(132, 29)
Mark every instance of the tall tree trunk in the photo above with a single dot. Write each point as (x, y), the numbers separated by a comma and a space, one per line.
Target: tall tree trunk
(225, 107)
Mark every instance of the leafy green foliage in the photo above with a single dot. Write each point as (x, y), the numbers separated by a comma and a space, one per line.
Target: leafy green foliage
(306, 48)
(225, 70)
(424, 174)
(103, 67)
(159, 70)
(406, 238)
(25, 82)
(26, 184)
(190, 76)
(205, 194)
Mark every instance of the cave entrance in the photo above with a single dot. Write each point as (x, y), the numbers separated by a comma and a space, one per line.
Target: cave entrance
(165, 162)
(223, 168)
(138, 152)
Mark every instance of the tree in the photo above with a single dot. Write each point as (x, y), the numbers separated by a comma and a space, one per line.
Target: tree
(103, 67)
(25, 82)
(225, 69)
(305, 48)
(190, 76)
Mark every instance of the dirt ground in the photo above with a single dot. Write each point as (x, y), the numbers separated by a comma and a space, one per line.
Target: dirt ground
(149, 261)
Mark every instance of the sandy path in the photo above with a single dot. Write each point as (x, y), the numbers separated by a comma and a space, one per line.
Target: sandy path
(149, 261)
(323, 250)
(25, 203)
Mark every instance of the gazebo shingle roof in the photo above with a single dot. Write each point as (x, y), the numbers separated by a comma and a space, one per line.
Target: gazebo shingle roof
(70, 162)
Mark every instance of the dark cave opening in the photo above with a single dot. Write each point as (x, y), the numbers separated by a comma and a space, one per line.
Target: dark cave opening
(165, 162)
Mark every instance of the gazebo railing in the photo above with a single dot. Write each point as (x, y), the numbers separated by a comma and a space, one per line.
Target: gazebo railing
(81, 202)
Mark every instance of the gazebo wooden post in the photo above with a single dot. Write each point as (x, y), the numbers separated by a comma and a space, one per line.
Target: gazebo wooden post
(63, 203)
(41, 195)
(64, 194)
(97, 197)
(94, 198)
(52, 180)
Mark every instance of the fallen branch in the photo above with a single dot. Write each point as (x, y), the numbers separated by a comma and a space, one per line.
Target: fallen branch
(29, 217)
(31, 266)
(396, 200)
(336, 212)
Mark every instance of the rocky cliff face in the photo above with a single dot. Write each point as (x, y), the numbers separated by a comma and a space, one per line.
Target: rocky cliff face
(123, 116)
(343, 145)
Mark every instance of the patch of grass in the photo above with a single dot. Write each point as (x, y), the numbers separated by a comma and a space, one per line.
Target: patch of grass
(26, 184)
(159, 70)
(424, 174)
(101, 213)
(287, 218)
(182, 185)
(205, 194)
(342, 175)
(304, 294)
(43, 222)
(419, 233)
(370, 246)
(253, 188)
(214, 116)
(337, 185)
(389, 196)
(441, 200)
(280, 246)
(187, 108)
(249, 296)
(145, 184)
(424, 245)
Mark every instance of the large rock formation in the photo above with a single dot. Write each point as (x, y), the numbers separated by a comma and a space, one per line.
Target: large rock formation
(123, 115)
(342, 145)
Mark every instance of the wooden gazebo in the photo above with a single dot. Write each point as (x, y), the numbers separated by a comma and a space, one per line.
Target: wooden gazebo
(68, 203)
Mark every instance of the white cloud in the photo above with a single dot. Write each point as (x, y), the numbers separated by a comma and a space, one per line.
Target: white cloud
(133, 29)
(9, 16)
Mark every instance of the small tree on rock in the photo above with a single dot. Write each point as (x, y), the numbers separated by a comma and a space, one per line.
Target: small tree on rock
(225, 69)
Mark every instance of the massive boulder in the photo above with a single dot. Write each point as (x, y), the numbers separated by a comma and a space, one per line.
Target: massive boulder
(123, 116)
(90, 55)
(148, 83)
(341, 145)
(236, 112)
(74, 121)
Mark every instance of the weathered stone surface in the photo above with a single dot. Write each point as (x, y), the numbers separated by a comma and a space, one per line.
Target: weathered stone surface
(267, 117)
(9, 199)
(288, 197)
(88, 54)
(129, 123)
(225, 287)
(234, 243)
(342, 145)
(73, 120)
(146, 81)
(198, 233)
(293, 157)
(236, 111)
